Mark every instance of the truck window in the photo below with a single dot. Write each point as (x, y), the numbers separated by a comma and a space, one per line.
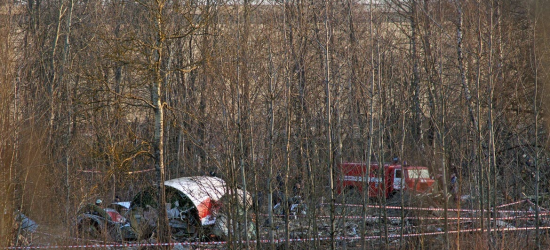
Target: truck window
(419, 173)
(398, 173)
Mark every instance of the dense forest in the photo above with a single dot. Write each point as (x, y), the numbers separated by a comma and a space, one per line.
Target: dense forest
(99, 99)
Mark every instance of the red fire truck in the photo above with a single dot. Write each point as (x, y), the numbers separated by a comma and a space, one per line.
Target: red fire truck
(351, 177)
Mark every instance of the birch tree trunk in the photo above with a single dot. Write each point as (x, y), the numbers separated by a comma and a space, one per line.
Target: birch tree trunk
(271, 142)
(328, 113)
(370, 117)
(158, 109)
(541, 62)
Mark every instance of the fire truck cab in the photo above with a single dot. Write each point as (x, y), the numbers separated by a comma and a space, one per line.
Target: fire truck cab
(383, 181)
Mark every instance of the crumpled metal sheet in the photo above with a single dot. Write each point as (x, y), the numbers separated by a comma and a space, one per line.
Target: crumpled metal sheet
(204, 192)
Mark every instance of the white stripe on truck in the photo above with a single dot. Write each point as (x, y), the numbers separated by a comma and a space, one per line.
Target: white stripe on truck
(360, 178)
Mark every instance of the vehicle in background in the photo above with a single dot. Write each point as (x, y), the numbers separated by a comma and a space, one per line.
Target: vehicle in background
(383, 181)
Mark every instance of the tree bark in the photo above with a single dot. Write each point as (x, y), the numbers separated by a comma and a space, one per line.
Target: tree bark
(158, 109)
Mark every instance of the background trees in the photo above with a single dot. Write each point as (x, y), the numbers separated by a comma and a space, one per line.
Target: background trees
(95, 91)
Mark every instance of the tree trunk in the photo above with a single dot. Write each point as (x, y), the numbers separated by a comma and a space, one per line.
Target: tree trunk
(158, 108)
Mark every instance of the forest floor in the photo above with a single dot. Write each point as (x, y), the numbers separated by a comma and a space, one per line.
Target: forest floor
(401, 220)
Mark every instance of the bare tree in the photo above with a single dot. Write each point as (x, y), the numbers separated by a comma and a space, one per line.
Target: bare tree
(8, 121)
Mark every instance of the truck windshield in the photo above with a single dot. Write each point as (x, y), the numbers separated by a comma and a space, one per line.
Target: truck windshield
(398, 173)
(419, 173)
